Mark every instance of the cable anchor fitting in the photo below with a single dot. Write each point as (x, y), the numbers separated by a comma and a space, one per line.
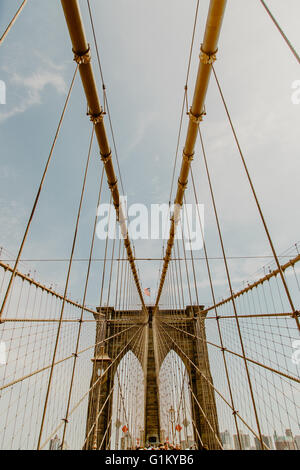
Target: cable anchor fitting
(188, 158)
(96, 118)
(84, 57)
(196, 119)
(106, 158)
(296, 314)
(112, 185)
(207, 58)
(183, 185)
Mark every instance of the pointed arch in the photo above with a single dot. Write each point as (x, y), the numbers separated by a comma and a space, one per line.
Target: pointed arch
(128, 406)
(175, 401)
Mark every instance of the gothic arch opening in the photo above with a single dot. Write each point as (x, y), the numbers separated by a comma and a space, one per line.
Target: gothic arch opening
(175, 405)
(128, 404)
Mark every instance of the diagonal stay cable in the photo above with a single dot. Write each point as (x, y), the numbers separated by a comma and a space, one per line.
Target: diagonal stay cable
(43, 369)
(213, 387)
(293, 50)
(12, 22)
(92, 387)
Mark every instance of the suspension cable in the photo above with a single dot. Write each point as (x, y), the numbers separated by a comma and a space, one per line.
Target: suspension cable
(197, 111)
(105, 93)
(66, 285)
(82, 56)
(280, 30)
(281, 273)
(38, 195)
(12, 22)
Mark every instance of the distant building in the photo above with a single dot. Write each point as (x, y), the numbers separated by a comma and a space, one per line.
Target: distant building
(285, 442)
(226, 440)
(54, 443)
(297, 442)
(266, 440)
(245, 441)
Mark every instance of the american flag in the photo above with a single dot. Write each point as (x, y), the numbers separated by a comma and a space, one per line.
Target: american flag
(147, 291)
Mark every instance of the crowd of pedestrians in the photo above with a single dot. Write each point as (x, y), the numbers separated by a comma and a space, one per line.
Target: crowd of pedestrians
(165, 446)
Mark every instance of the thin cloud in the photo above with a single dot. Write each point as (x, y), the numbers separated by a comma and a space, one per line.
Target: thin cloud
(33, 88)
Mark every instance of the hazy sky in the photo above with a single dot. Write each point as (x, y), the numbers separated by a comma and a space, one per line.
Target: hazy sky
(144, 51)
(144, 48)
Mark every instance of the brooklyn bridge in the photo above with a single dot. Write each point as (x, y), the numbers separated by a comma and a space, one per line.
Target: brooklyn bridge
(114, 338)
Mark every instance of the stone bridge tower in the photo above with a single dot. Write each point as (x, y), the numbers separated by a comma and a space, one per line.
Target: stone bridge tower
(192, 350)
